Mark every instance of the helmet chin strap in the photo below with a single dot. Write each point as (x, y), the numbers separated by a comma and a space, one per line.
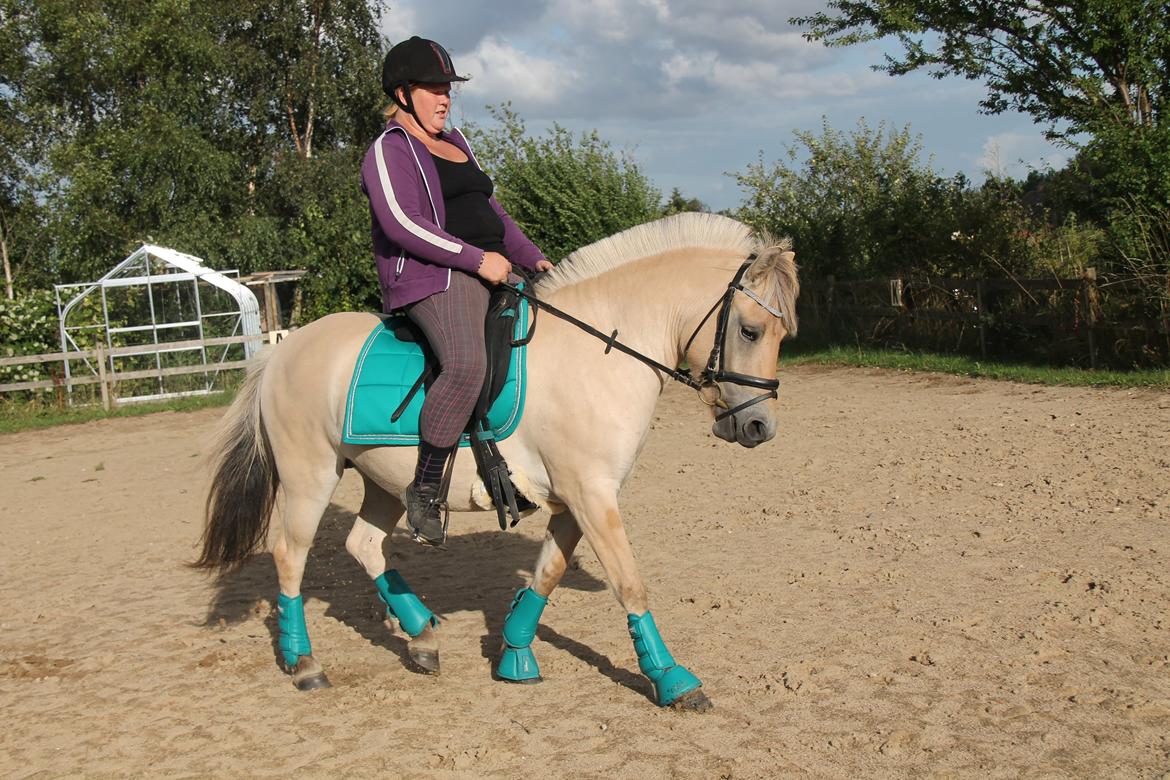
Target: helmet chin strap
(407, 104)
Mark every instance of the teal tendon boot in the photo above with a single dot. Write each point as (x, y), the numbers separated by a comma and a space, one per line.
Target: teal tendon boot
(413, 618)
(295, 650)
(671, 680)
(294, 634)
(402, 604)
(517, 663)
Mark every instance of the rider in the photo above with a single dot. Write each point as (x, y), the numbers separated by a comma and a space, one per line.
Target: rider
(440, 240)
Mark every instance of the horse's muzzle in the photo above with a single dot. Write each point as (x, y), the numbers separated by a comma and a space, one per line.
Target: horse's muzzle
(749, 428)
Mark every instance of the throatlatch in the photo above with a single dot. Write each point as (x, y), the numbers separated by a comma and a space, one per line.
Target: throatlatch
(517, 663)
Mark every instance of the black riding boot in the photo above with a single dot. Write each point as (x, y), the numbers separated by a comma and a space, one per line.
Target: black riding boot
(424, 513)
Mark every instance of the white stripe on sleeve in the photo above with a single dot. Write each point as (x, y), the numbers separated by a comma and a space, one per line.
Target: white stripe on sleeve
(400, 215)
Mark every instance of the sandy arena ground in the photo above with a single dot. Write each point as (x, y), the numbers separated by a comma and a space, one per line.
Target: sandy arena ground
(921, 576)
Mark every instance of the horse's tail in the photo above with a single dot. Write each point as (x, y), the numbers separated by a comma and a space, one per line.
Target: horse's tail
(244, 482)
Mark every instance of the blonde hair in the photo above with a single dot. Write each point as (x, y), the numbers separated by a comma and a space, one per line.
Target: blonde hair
(389, 111)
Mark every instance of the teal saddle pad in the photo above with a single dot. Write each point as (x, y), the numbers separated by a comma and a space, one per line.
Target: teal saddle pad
(387, 369)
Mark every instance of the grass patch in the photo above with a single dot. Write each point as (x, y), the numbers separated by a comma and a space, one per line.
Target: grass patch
(964, 366)
(32, 415)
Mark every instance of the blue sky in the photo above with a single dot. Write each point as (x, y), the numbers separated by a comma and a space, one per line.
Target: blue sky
(694, 89)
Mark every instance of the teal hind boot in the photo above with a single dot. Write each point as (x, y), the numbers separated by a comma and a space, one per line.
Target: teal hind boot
(517, 663)
(671, 680)
(295, 649)
(294, 634)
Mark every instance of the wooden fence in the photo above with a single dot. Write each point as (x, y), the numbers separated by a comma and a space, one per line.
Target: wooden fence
(106, 378)
(1084, 321)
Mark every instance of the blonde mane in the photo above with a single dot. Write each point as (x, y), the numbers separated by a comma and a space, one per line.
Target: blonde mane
(679, 231)
(690, 229)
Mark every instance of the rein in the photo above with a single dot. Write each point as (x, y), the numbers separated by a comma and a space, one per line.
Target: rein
(707, 383)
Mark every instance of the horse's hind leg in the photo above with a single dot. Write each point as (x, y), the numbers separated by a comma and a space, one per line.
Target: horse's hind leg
(306, 495)
(369, 543)
(517, 663)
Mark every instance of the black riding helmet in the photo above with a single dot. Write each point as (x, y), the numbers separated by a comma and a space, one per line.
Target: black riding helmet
(416, 61)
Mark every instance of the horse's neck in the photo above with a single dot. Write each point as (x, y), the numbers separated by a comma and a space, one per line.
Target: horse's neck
(652, 302)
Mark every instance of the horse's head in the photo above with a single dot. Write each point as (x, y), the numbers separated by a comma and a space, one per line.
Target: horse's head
(746, 329)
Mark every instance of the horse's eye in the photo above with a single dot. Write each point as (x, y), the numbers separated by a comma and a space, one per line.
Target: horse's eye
(749, 334)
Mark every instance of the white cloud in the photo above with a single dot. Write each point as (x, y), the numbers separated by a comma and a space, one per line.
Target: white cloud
(500, 72)
(613, 21)
(754, 80)
(696, 88)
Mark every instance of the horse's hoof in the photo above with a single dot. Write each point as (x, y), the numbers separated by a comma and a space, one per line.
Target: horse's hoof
(313, 682)
(692, 701)
(424, 661)
(308, 675)
(530, 681)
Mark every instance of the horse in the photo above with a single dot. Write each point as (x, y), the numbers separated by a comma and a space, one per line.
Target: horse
(659, 287)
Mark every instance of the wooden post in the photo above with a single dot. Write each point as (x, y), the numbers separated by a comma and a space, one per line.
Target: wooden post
(271, 306)
(1089, 289)
(898, 309)
(102, 383)
(979, 314)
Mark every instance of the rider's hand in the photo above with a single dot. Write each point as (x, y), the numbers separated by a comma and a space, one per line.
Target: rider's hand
(494, 268)
(543, 265)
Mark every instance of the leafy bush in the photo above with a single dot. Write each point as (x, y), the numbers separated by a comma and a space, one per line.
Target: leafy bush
(864, 205)
(563, 192)
(28, 326)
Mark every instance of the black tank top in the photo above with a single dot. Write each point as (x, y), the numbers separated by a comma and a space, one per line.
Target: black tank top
(470, 217)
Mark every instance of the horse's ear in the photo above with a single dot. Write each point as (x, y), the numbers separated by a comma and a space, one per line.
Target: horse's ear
(767, 262)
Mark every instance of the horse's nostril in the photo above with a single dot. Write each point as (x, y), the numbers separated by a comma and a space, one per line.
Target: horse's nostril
(757, 430)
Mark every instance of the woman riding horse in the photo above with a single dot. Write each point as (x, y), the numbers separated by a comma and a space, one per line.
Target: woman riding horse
(440, 239)
(693, 288)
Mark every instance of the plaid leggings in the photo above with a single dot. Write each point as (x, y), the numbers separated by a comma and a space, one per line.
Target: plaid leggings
(453, 323)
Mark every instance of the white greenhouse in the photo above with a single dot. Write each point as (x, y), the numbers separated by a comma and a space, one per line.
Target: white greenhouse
(160, 324)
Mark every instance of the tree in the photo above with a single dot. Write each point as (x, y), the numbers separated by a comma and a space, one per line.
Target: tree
(863, 204)
(563, 192)
(856, 204)
(194, 124)
(1070, 65)
(677, 204)
(19, 216)
(1095, 72)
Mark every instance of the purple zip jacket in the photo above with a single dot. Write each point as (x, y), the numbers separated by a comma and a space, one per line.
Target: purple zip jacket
(413, 252)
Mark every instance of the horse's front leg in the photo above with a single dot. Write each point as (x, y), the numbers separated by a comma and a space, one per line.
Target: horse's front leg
(595, 509)
(369, 543)
(517, 663)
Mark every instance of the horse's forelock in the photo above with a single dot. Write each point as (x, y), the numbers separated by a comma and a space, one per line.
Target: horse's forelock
(783, 283)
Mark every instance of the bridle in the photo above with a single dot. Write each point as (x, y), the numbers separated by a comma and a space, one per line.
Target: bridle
(708, 387)
(707, 382)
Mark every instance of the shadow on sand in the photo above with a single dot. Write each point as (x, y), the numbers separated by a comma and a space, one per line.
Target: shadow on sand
(477, 571)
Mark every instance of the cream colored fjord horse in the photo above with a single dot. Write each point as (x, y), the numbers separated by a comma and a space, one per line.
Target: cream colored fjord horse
(586, 418)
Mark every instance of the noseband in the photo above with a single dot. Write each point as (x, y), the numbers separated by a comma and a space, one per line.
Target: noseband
(707, 383)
